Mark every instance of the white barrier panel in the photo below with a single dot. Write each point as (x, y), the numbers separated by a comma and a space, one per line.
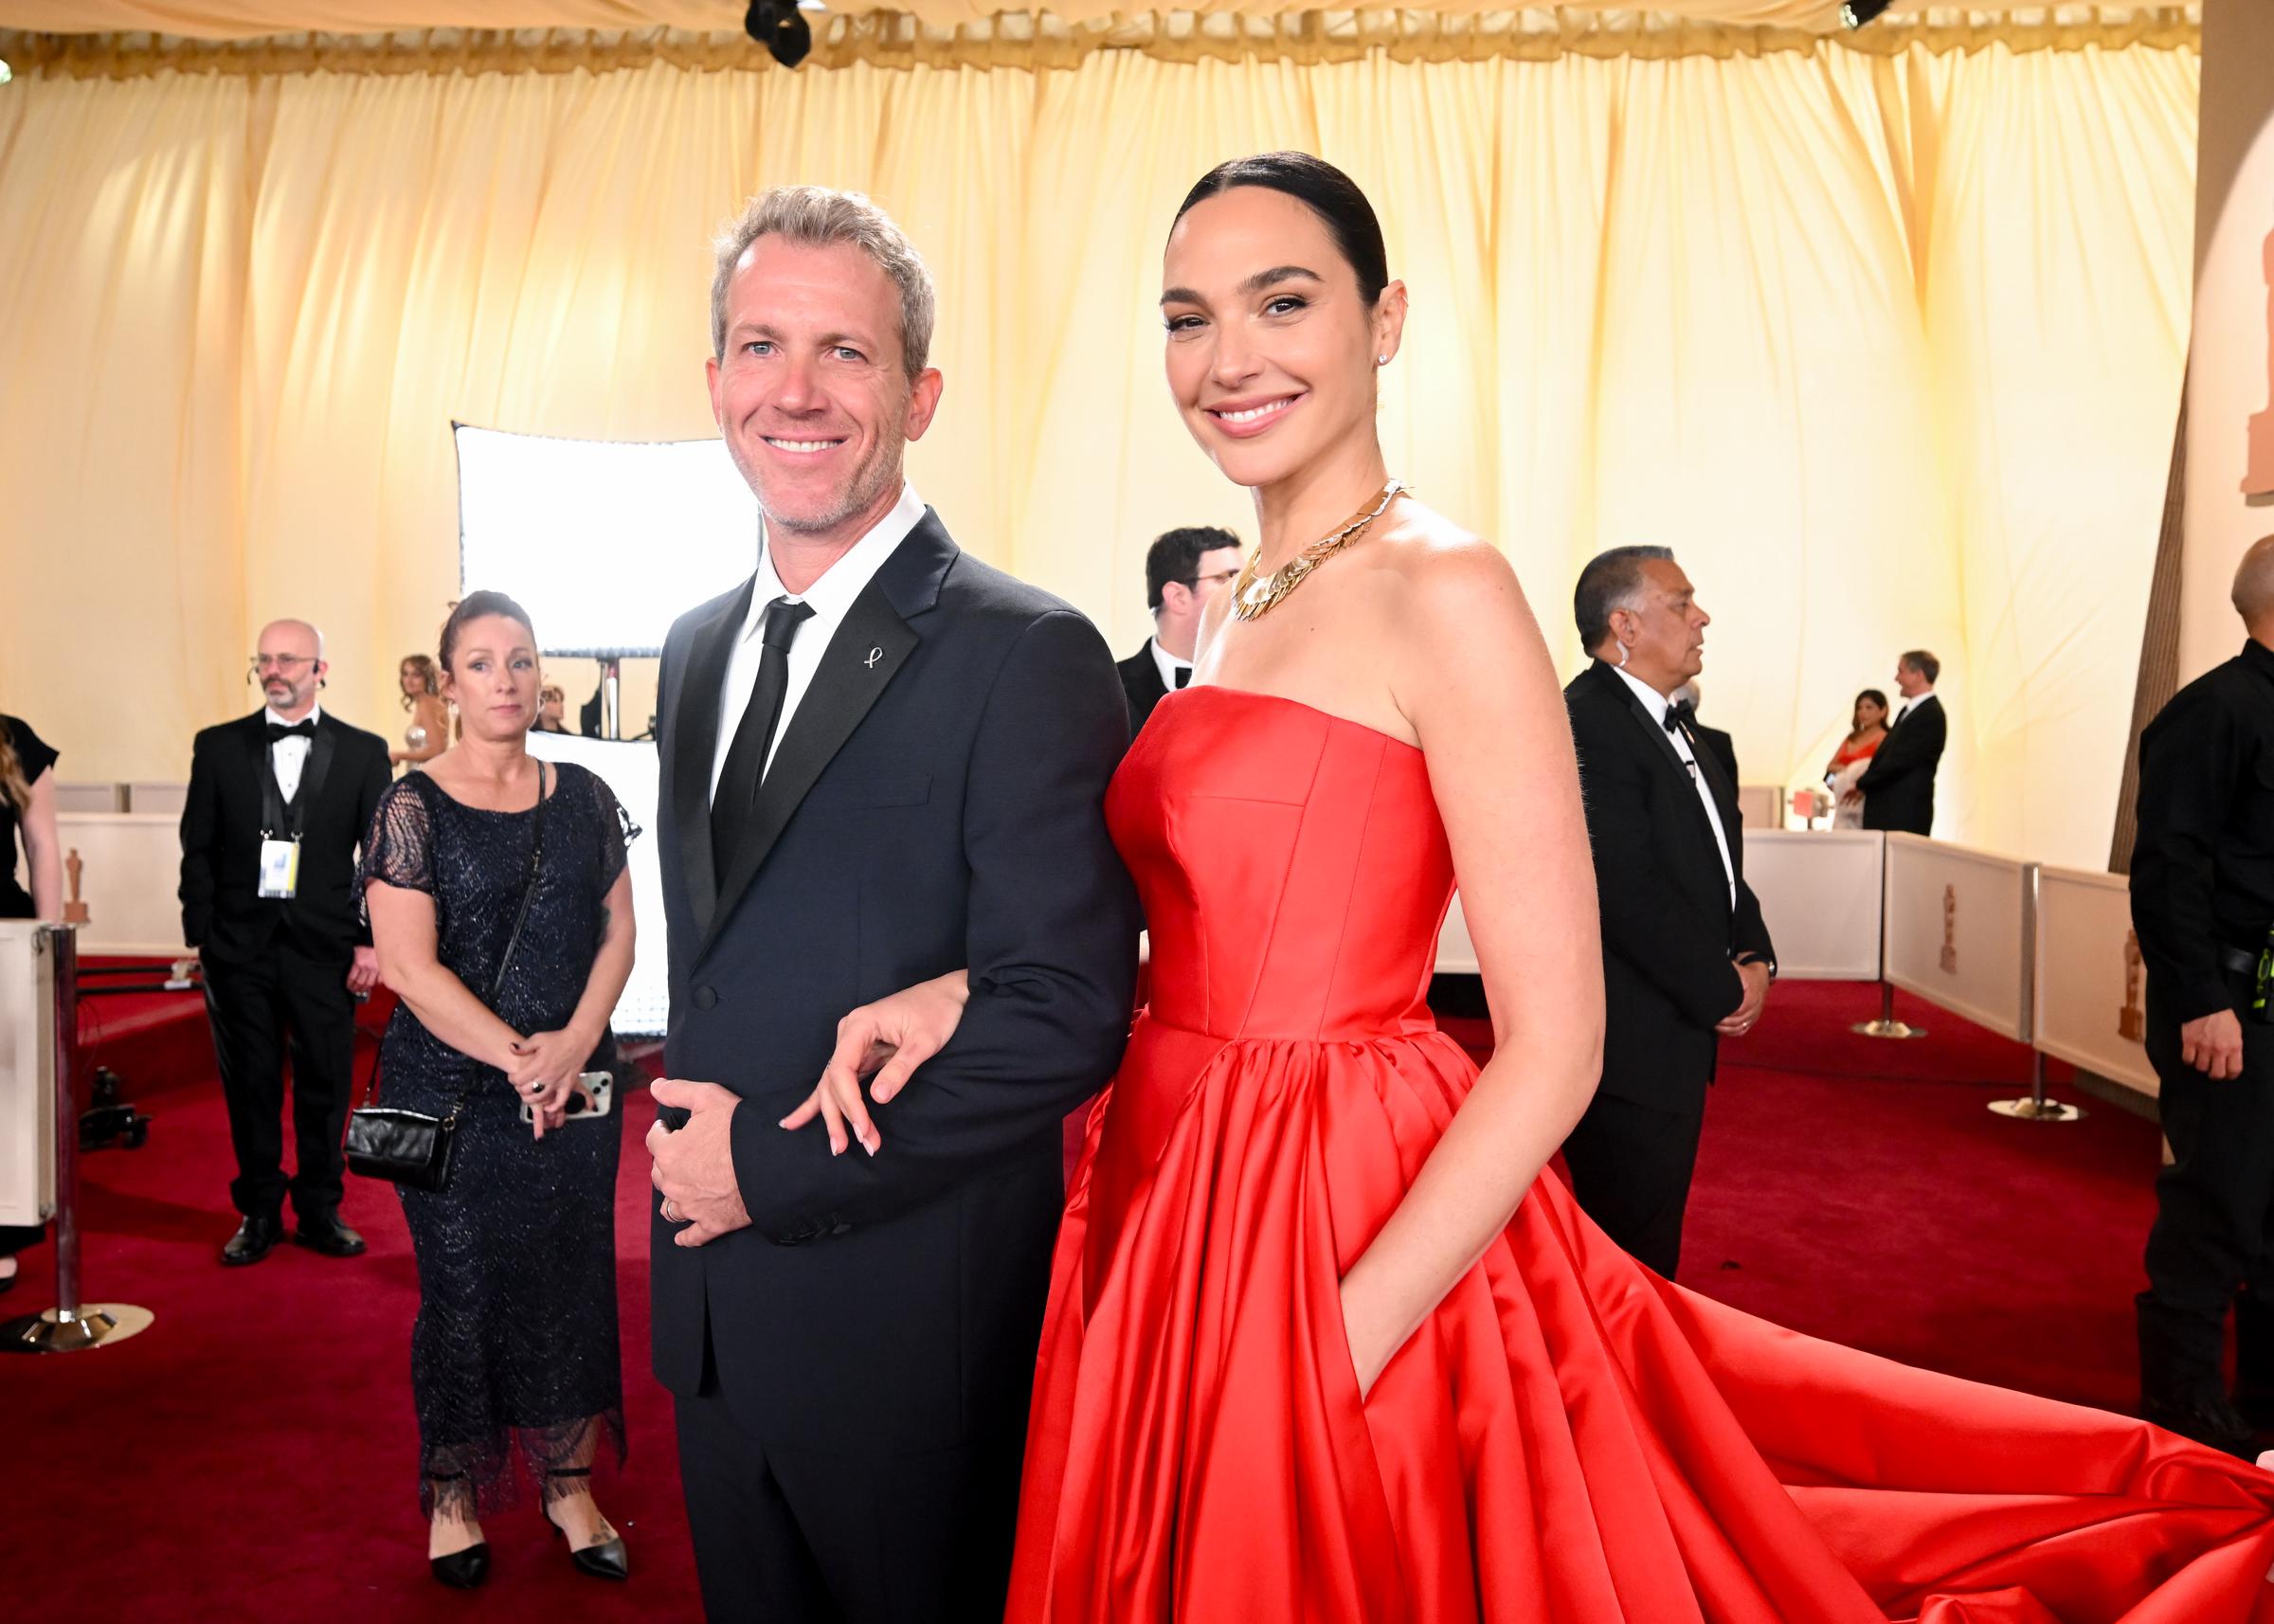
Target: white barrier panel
(2092, 988)
(27, 1076)
(129, 878)
(1456, 954)
(160, 800)
(631, 770)
(1960, 930)
(1820, 893)
(89, 797)
(1760, 806)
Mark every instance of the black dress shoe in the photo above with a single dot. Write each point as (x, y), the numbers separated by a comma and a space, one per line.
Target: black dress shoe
(251, 1243)
(2207, 1419)
(463, 1570)
(328, 1236)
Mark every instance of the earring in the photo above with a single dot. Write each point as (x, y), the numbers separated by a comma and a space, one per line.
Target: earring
(1382, 360)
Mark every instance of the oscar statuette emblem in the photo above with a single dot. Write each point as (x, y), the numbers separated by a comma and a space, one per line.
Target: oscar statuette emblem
(75, 912)
(2132, 1020)
(1950, 930)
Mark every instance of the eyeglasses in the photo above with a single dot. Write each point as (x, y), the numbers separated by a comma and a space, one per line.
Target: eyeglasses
(1218, 579)
(284, 663)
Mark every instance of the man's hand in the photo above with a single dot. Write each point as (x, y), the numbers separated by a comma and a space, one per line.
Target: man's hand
(888, 1038)
(363, 975)
(1739, 1021)
(694, 1168)
(2212, 1044)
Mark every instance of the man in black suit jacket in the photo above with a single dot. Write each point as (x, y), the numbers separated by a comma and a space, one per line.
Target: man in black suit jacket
(883, 763)
(1686, 959)
(1183, 570)
(288, 787)
(1899, 786)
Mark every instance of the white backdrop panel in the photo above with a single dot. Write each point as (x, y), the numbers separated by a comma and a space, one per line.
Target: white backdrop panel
(1958, 931)
(1820, 896)
(603, 542)
(631, 770)
(1456, 954)
(27, 1076)
(2091, 986)
(130, 879)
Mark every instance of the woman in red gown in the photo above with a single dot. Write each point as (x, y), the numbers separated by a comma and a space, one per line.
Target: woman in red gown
(1325, 1341)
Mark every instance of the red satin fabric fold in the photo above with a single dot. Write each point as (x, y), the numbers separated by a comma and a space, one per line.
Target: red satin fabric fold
(1568, 1439)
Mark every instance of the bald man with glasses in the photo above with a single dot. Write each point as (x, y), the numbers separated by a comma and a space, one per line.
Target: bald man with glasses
(279, 801)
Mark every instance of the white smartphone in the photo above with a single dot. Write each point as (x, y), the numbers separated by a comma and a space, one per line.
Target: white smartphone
(593, 1095)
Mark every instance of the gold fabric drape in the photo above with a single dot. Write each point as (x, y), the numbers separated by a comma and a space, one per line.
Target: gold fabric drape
(247, 19)
(1887, 346)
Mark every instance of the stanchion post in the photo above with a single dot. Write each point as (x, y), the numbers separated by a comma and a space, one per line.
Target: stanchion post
(70, 1326)
(2037, 1107)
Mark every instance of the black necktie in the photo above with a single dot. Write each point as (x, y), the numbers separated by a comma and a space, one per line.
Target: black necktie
(1183, 675)
(737, 794)
(303, 729)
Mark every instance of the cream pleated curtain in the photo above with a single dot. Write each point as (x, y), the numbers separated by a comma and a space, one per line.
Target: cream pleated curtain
(1887, 346)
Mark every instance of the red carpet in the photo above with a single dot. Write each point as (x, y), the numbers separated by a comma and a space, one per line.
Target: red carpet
(250, 1457)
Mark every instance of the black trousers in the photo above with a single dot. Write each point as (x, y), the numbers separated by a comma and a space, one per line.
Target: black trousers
(1630, 1168)
(288, 998)
(844, 1537)
(2213, 1235)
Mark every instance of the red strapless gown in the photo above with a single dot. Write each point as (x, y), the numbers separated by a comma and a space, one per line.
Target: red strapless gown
(1568, 1437)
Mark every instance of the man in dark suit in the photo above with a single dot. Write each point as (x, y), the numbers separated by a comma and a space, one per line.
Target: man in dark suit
(1687, 959)
(279, 802)
(1899, 786)
(1712, 741)
(883, 768)
(1183, 570)
(2203, 908)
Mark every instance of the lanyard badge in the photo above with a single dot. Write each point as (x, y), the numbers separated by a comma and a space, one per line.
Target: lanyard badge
(279, 867)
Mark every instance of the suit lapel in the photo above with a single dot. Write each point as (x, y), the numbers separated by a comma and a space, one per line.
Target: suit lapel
(1665, 744)
(691, 741)
(319, 763)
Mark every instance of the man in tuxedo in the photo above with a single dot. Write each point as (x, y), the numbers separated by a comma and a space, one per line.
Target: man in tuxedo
(2203, 908)
(1687, 959)
(279, 802)
(1183, 569)
(883, 767)
(1899, 786)
(1712, 741)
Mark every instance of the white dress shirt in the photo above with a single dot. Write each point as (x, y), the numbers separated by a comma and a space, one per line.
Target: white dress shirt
(830, 598)
(1168, 665)
(1905, 706)
(288, 758)
(1658, 705)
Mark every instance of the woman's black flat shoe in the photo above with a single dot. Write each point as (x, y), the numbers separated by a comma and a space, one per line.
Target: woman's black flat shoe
(463, 1570)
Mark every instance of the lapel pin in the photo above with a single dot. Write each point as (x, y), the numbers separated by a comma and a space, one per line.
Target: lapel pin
(874, 655)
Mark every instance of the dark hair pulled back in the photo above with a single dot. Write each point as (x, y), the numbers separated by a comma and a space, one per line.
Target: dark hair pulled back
(472, 607)
(1327, 192)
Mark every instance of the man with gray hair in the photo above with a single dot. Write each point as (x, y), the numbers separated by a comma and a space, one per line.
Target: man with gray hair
(1687, 959)
(882, 782)
(2203, 908)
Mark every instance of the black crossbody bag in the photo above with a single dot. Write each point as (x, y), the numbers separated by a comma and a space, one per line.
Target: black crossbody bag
(412, 1147)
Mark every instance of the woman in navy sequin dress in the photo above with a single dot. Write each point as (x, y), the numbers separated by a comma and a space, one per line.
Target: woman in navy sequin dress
(514, 1349)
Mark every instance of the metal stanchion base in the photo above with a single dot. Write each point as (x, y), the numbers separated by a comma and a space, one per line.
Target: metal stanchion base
(2037, 1111)
(1884, 1027)
(55, 1331)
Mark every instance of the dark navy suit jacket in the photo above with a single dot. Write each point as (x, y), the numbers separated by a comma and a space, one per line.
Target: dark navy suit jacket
(935, 802)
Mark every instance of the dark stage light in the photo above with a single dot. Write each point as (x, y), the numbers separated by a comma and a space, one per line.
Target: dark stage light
(1855, 13)
(782, 29)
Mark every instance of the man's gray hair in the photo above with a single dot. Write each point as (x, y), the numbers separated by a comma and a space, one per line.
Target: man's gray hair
(1612, 580)
(819, 216)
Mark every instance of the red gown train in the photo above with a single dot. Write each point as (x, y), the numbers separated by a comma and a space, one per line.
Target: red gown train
(1568, 1439)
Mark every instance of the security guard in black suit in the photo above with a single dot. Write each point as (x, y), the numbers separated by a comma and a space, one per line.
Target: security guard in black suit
(2203, 908)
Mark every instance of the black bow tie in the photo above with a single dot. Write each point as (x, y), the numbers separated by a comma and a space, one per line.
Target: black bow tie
(304, 729)
(1183, 675)
(1679, 715)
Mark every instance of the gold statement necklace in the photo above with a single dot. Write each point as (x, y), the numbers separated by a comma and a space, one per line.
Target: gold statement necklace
(1253, 598)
